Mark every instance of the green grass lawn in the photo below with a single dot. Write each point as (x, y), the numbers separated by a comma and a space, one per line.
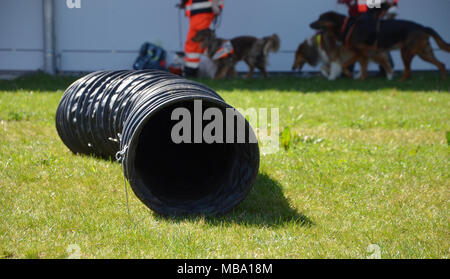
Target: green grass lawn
(378, 175)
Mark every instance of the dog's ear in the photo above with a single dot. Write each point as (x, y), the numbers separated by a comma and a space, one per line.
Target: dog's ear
(326, 21)
(322, 24)
(201, 35)
(204, 44)
(196, 37)
(212, 33)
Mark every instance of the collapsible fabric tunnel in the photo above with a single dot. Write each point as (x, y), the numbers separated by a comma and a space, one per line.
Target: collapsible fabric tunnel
(129, 114)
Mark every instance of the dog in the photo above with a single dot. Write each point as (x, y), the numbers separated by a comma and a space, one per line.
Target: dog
(369, 38)
(206, 69)
(322, 49)
(227, 53)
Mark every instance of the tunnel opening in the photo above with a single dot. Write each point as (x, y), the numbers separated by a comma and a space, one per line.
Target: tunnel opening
(193, 177)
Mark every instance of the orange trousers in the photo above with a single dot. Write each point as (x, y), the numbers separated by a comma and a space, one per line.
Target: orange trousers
(193, 50)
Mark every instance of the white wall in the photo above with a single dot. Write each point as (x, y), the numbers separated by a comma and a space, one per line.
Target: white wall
(21, 35)
(106, 34)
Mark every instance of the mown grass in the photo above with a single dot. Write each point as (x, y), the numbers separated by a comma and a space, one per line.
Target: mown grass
(369, 165)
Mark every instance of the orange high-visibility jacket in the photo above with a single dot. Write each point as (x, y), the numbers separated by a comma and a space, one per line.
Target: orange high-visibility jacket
(194, 7)
(362, 6)
(193, 50)
(201, 15)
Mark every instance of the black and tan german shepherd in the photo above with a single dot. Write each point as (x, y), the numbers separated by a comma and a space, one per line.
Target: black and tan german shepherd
(253, 51)
(368, 38)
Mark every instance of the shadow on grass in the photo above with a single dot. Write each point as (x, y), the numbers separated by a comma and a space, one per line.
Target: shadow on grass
(38, 81)
(421, 81)
(266, 206)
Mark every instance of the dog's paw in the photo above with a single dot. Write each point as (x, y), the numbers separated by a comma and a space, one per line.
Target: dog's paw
(357, 75)
(325, 75)
(335, 71)
(390, 76)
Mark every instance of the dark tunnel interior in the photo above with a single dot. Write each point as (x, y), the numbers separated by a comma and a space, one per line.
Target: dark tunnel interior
(185, 173)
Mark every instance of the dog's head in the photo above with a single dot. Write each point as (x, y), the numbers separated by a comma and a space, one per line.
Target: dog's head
(327, 21)
(204, 37)
(306, 53)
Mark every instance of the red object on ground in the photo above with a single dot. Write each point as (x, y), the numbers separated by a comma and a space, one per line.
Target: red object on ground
(176, 70)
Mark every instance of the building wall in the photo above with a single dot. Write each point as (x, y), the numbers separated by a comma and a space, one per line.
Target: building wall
(21, 35)
(106, 34)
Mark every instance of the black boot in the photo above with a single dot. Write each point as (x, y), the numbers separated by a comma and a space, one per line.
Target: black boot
(190, 72)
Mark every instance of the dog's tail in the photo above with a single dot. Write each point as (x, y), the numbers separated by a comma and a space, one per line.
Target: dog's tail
(259, 52)
(272, 44)
(441, 43)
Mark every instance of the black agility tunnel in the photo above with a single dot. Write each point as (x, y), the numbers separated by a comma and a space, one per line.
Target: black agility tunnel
(128, 114)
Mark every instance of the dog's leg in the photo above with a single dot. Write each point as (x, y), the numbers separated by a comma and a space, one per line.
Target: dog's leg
(427, 55)
(251, 70)
(383, 60)
(335, 70)
(364, 62)
(231, 72)
(263, 71)
(324, 69)
(390, 75)
(407, 59)
(221, 72)
(348, 63)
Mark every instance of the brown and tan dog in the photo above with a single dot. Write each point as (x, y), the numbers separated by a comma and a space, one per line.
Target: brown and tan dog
(370, 39)
(322, 49)
(227, 53)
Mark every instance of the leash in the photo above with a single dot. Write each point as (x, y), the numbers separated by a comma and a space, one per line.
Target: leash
(180, 30)
(350, 31)
(119, 157)
(126, 195)
(217, 21)
(353, 27)
(379, 19)
(344, 26)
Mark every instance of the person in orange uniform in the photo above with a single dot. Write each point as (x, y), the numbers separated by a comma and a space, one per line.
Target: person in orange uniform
(355, 7)
(201, 14)
(359, 7)
(387, 9)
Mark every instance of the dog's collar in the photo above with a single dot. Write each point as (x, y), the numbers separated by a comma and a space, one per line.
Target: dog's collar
(315, 40)
(319, 40)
